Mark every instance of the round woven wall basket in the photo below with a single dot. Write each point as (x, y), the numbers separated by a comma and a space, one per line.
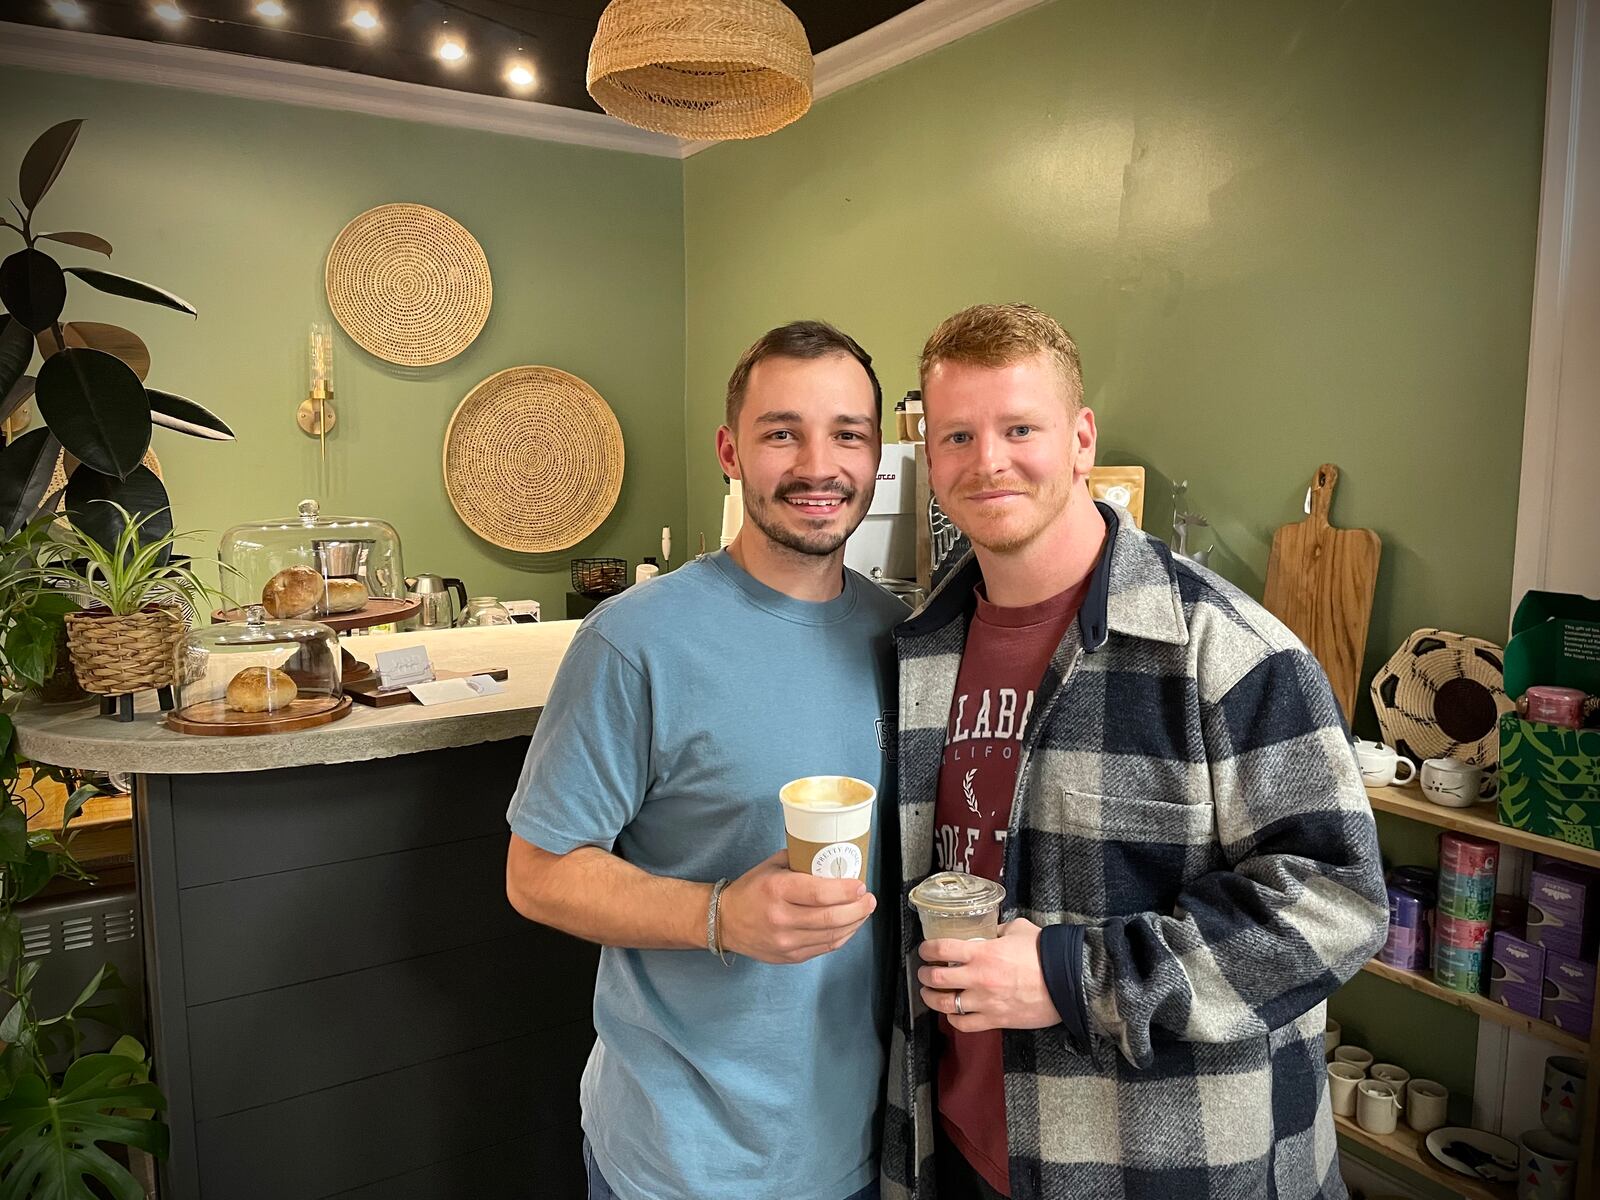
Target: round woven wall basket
(409, 284)
(1441, 695)
(705, 69)
(533, 460)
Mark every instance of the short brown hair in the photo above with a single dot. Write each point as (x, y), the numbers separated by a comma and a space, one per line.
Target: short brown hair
(998, 335)
(798, 339)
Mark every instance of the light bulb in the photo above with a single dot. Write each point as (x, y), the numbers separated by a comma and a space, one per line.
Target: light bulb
(451, 50)
(69, 11)
(170, 13)
(520, 76)
(364, 19)
(270, 9)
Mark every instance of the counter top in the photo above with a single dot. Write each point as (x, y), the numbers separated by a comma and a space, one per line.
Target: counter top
(79, 737)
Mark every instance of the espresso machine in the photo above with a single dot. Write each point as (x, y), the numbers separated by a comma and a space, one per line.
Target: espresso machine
(884, 545)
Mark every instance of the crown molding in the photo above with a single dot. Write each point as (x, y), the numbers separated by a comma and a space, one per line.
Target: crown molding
(911, 34)
(197, 69)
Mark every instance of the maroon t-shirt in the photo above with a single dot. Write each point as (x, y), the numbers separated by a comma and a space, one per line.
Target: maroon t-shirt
(1007, 652)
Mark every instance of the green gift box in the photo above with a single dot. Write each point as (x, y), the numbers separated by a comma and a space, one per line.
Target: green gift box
(1549, 775)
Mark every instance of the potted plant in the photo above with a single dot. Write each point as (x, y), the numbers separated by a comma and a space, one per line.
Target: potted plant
(95, 418)
(131, 599)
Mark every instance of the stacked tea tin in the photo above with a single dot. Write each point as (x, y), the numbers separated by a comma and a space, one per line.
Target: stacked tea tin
(1412, 898)
(1468, 867)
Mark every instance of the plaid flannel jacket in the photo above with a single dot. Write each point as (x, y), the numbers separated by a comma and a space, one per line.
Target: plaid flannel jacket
(1188, 797)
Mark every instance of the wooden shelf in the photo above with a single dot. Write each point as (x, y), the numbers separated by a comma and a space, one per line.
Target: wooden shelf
(1405, 1147)
(1481, 820)
(1482, 1006)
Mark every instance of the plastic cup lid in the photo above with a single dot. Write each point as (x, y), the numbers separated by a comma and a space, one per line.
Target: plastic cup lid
(953, 893)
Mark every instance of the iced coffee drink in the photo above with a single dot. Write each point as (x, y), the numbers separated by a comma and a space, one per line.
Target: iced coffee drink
(956, 905)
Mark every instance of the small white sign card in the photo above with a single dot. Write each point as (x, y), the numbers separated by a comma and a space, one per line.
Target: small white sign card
(444, 691)
(401, 668)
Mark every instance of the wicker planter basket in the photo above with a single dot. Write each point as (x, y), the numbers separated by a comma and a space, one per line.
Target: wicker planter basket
(116, 656)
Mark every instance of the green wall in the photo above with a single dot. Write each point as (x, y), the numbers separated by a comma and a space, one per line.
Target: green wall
(1283, 234)
(233, 205)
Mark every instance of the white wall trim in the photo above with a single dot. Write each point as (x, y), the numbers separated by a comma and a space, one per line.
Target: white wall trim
(1557, 211)
(928, 26)
(198, 69)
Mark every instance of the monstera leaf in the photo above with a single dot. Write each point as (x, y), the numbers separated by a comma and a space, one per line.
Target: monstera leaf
(53, 1145)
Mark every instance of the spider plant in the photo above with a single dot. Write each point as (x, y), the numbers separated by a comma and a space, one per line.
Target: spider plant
(131, 575)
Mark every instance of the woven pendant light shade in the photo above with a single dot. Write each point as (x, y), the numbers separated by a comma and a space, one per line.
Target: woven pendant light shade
(702, 69)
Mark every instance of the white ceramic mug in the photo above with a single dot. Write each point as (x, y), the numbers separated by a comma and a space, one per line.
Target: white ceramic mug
(1390, 1073)
(1561, 1104)
(1427, 1105)
(1377, 1106)
(1330, 1038)
(1451, 783)
(1549, 1167)
(1383, 766)
(1355, 1056)
(1342, 1081)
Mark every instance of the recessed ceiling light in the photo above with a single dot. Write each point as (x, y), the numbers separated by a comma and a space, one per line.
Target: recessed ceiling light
(451, 50)
(520, 76)
(169, 13)
(69, 11)
(270, 9)
(364, 19)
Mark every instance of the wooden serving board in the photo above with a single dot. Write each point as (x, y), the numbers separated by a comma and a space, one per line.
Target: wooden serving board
(1320, 581)
(214, 719)
(368, 690)
(380, 611)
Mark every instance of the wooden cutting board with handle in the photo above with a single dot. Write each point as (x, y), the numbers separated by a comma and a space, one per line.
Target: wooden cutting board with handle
(1319, 583)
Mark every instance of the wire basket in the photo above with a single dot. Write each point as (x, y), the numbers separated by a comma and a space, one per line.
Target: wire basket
(599, 576)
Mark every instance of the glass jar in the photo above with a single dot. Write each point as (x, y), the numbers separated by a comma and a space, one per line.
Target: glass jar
(257, 670)
(352, 548)
(484, 610)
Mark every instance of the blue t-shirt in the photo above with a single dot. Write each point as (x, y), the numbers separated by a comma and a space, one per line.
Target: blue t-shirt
(680, 709)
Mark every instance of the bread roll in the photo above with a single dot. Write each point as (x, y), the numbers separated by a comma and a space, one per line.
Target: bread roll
(260, 689)
(346, 595)
(294, 592)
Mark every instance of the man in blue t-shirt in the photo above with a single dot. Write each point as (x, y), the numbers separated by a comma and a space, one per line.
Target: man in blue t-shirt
(741, 1025)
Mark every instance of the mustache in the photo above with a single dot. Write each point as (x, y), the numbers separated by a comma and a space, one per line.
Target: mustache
(832, 487)
(993, 485)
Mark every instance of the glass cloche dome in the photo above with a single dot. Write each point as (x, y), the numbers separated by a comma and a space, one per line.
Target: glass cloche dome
(310, 565)
(257, 672)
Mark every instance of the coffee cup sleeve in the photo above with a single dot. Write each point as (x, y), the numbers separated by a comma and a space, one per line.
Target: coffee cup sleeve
(1061, 960)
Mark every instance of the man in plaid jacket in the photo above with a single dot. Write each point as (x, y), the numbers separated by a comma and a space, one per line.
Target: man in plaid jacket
(1157, 772)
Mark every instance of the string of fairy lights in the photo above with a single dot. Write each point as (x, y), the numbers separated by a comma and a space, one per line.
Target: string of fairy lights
(451, 46)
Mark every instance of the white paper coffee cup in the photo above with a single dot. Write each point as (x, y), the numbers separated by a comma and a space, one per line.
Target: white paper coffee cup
(828, 823)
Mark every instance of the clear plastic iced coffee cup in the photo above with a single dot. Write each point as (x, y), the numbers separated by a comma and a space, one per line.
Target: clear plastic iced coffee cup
(828, 822)
(953, 904)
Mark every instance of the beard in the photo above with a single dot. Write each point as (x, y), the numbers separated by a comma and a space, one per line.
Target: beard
(763, 512)
(1046, 502)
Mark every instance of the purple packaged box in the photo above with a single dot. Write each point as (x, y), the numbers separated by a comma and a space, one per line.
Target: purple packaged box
(1516, 974)
(1569, 986)
(1564, 910)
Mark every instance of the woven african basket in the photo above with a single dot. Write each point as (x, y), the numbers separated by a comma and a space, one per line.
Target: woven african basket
(533, 460)
(1441, 696)
(409, 284)
(705, 69)
(113, 656)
